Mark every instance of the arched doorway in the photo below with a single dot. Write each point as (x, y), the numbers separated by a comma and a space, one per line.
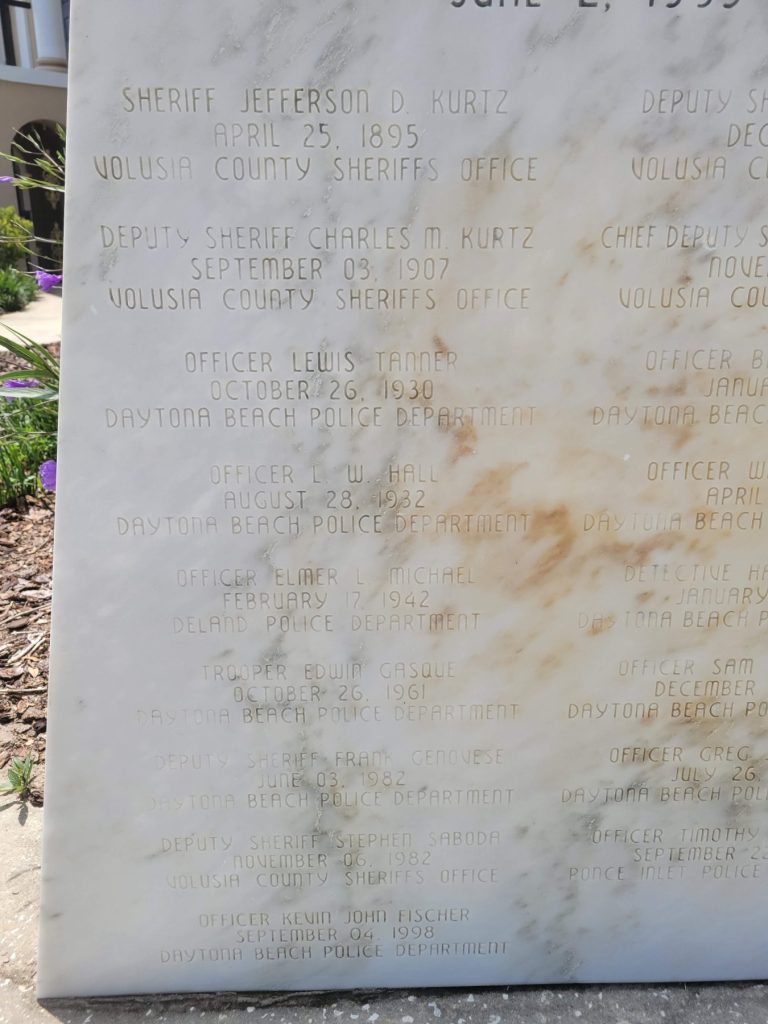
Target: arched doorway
(45, 209)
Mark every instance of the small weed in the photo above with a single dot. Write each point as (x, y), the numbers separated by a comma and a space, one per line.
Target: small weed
(20, 777)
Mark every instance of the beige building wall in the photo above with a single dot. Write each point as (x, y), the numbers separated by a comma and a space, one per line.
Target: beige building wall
(20, 103)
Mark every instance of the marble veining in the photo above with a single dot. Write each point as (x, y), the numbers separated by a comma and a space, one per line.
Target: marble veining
(410, 547)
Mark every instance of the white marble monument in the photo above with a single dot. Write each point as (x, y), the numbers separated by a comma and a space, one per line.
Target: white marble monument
(411, 584)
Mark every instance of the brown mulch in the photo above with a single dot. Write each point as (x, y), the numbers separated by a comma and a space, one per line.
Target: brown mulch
(26, 558)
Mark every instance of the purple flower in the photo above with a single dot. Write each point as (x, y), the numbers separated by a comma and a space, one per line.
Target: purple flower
(46, 281)
(11, 384)
(48, 475)
(6, 179)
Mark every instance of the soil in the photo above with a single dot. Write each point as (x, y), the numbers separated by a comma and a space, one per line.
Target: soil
(26, 560)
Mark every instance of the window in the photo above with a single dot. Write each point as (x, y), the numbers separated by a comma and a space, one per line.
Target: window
(15, 30)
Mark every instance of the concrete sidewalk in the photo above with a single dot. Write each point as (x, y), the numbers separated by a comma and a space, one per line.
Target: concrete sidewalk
(20, 831)
(40, 321)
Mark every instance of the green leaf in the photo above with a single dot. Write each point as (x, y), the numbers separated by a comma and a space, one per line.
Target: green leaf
(18, 375)
(42, 365)
(41, 394)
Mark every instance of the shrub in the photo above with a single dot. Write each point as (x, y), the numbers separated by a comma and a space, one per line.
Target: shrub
(28, 414)
(16, 290)
(15, 237)
(26, 441)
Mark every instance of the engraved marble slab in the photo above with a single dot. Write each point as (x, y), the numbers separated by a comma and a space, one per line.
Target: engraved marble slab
(411, 579)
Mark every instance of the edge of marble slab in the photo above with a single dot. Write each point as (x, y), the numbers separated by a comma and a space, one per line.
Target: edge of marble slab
(281, 995)
(315, 997)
